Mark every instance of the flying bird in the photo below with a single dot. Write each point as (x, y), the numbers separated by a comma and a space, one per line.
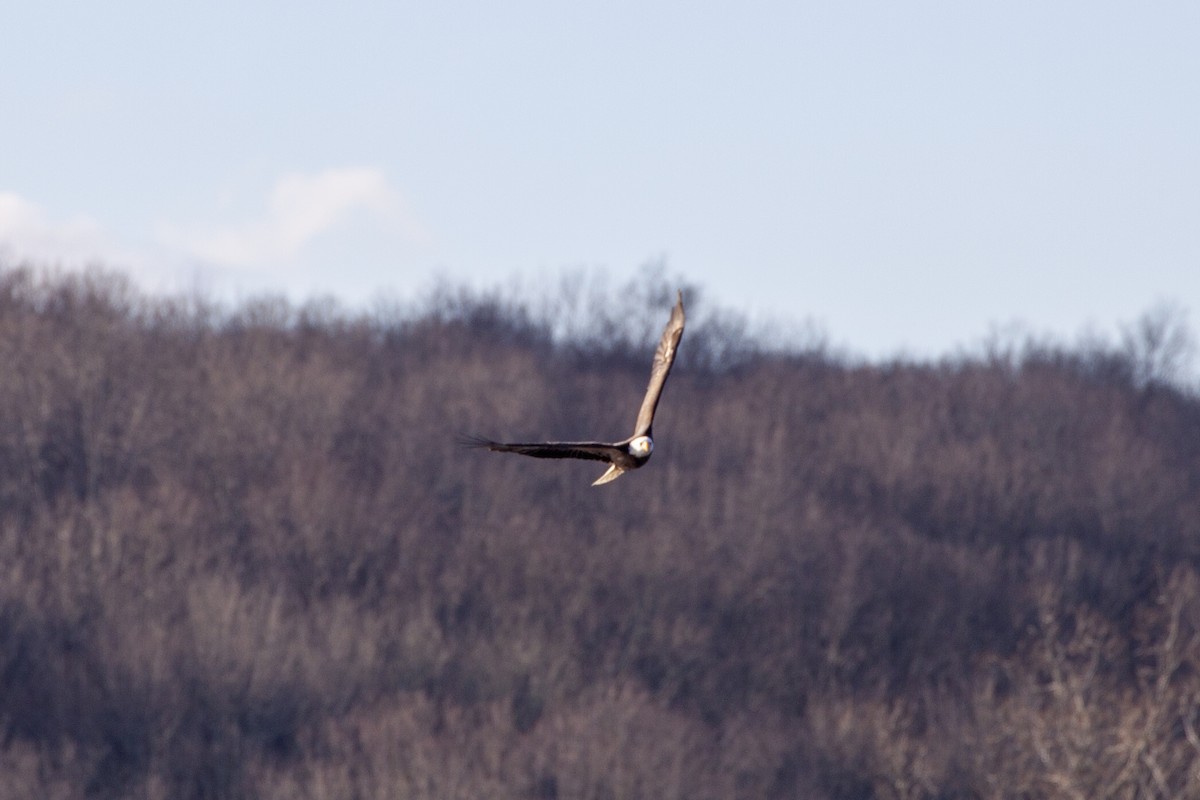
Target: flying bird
(629, 453)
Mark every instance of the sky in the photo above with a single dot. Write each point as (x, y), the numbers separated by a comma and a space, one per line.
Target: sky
(908, 176)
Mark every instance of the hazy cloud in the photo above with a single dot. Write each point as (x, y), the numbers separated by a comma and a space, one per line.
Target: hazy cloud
(301, 207)
(349, 218)
(28, 232)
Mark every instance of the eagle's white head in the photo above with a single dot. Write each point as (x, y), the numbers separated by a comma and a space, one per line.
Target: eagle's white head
(642, 446)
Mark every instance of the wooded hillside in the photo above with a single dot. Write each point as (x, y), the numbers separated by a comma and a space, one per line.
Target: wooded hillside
(242, 557)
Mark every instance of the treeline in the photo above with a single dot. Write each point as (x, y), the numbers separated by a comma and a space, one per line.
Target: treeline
(241, 557)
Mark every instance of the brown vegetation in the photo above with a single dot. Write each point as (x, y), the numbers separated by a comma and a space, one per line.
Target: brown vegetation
(240, 557)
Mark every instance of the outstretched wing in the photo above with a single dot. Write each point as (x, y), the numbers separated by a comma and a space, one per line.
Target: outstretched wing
(664, 357)
(590, 451)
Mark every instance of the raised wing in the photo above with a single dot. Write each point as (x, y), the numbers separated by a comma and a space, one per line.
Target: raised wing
(590, 451)
(664, 357)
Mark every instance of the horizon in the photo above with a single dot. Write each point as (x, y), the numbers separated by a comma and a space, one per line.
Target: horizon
(1160, 346)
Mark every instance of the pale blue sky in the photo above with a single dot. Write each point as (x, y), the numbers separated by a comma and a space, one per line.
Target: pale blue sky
(907, 175)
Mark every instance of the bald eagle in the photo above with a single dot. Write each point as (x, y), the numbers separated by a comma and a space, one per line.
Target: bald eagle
(624, 455)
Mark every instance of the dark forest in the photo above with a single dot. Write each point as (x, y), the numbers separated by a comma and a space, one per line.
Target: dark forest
(241, 556)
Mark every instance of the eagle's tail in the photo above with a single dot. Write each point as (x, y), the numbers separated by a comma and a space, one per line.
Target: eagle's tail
(612, 474)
